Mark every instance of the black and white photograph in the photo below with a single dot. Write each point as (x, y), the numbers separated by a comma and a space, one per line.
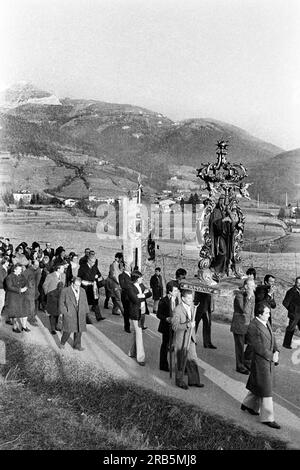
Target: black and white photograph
(149, 228)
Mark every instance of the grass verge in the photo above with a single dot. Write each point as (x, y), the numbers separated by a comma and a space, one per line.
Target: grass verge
(48, 401)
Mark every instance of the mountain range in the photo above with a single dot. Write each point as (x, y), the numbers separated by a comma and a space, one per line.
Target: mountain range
(77, 134)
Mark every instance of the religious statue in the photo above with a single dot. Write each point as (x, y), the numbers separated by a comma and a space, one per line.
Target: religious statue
(223, 222)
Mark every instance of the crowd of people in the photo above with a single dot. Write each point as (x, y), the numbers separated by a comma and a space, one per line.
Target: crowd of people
(34, 279)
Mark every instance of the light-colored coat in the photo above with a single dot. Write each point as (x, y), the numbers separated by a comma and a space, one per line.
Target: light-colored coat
(179, 323)
(73, 315)
(263, 343)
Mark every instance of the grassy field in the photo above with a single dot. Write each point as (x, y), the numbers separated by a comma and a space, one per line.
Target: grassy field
(50, 402)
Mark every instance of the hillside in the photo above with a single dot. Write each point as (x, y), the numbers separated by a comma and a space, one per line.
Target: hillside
(280, 176)
(128, 136)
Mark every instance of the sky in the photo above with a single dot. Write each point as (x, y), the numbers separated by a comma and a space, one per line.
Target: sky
(236, 61)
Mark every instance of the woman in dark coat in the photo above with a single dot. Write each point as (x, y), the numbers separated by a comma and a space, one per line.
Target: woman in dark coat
(265, 355)
(16, 303)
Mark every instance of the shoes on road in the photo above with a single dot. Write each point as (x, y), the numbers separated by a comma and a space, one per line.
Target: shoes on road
(9, 322)
(182, 385)
(115, 313)
(272, 424)
(144, 327)
(79, 349)
(165, 369)
(210, 346)
(243, 371)
(128, 330)
(245, 408)
(53, 332)
(196, 385)
(101, 318)
(57, 328)
(142, 363)
(287, 347)
(26, 329)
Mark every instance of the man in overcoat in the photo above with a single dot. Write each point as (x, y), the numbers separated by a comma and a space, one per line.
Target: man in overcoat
(52, 287)
(265, 354)
(183, 324)
(243, 304)
(291, 302)
(165, 310)
(73, 307)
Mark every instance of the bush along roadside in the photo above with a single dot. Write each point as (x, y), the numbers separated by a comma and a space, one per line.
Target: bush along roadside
(51, 402)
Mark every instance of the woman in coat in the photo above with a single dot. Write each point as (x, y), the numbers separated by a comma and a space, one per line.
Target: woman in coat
(265, 355)
(16, 303)
(137, 309)
(73, 307)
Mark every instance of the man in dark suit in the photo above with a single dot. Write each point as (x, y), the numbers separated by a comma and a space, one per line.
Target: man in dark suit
(91, 276)
(291, 302)
(164, 314)
(205, 307)
(73, 307)
(49, 251)
(265, 355)
(265, 293)
(243, 304)
(85, 258)
(156, 285)
(125, 281)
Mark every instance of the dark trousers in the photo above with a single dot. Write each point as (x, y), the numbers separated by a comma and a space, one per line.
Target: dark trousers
(191, 368)
(76, 340)
(206, 328)
(125, 304)
(164, 349)
(107, 297)
(53, 322)
(97, 311)
(117, 302)
(290, 330)
(242, 357)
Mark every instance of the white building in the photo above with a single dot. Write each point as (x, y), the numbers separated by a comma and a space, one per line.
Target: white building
(70, 202)
(24, 195)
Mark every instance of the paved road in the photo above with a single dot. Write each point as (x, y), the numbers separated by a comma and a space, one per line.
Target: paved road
(219, 362)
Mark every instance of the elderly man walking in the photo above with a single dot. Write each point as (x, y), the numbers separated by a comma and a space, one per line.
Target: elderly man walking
(265, 354)
(73, 307)
(183, 324)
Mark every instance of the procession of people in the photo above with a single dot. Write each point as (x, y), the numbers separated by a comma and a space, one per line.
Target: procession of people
(33, 280)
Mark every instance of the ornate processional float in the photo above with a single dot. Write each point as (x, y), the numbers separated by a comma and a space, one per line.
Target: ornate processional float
(221, 224)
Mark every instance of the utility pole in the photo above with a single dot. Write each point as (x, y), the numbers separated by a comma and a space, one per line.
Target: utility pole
(286, 200)
(258, 200)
